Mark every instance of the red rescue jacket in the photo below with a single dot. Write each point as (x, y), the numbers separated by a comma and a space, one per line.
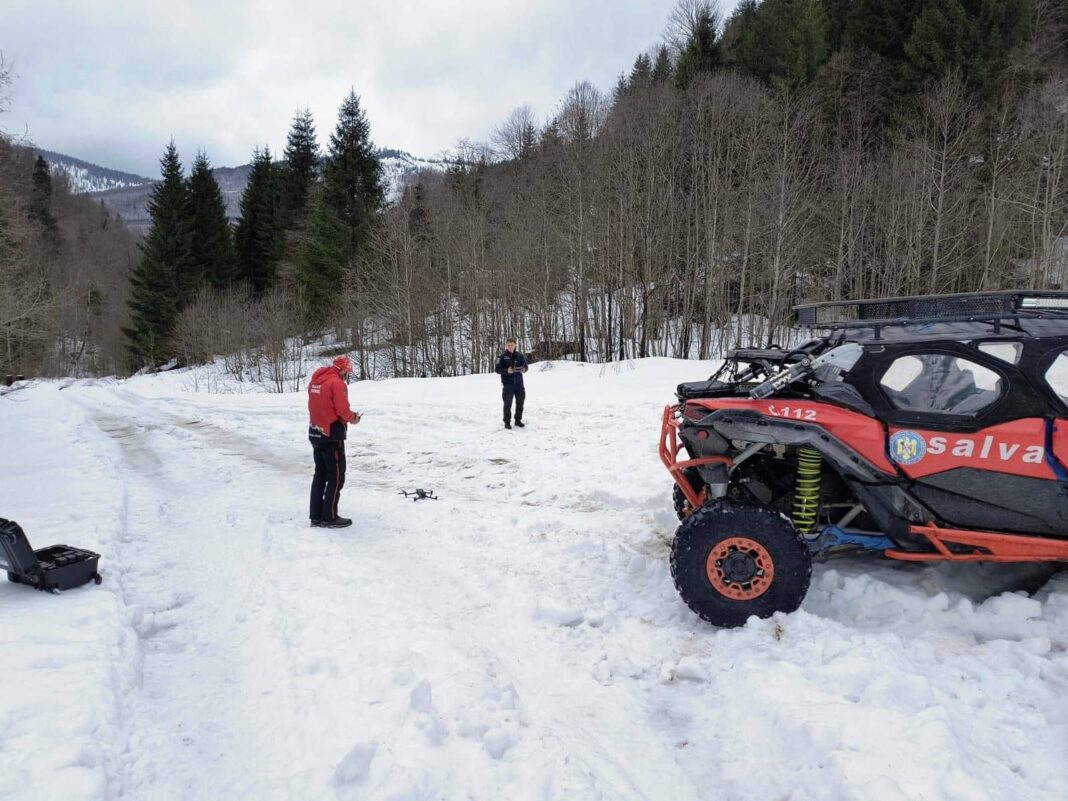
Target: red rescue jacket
(328, 403)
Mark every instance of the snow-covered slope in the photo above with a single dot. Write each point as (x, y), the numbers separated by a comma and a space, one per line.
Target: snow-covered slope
(518, 639)
(400, 169)
(86, 177)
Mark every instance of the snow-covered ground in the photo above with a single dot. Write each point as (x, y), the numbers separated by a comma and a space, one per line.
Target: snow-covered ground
(518, 639)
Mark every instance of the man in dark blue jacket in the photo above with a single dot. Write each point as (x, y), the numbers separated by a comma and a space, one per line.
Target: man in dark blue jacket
(510, 367)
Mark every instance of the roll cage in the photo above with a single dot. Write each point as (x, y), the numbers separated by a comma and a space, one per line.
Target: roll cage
(952, 326)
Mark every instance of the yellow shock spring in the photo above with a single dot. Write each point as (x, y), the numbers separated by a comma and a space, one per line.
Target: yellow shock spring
(807, 489)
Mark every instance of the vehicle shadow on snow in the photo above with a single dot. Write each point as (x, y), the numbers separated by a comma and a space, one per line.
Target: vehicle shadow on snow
(868, 589)
(976, 581)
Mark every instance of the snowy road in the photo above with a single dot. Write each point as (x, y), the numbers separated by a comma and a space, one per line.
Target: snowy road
(518, 639)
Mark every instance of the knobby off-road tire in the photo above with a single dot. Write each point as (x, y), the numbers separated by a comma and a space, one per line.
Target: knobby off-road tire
(732, 560)
(682, 506)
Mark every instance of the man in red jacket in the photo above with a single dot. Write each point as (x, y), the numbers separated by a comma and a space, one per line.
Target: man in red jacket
(328, 408)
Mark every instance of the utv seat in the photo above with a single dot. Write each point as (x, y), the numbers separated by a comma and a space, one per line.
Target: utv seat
(944, 388)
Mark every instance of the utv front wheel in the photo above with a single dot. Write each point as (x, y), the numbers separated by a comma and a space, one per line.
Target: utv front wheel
(732, 560)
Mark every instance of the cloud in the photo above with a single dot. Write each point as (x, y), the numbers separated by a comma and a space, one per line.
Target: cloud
(112, 82)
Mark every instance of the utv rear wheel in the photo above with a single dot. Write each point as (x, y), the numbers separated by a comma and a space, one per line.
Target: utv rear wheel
(683, 509)
(732, 560)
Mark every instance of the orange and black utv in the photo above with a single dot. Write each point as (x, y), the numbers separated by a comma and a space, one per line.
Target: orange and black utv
(926, 428)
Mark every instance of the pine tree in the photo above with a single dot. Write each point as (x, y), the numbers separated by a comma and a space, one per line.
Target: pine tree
(778, 41)
(41, 199)
(159, 280)
(662, 69)
(1000, 27)
(551, 140)
(879, 26)
(641, 74)
(258, 237)
(213, 241)
(321, 269)
(300, 169)
(528, 140)
(701, 55)
(839, 15)
(938, 44)
(975, 38)
(806, 41)
(742, 45)
(352, 180)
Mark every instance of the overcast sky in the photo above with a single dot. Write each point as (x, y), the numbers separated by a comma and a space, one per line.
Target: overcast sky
(111, 81)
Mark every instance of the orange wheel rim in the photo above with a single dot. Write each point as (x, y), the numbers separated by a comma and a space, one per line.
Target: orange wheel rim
(740, 568)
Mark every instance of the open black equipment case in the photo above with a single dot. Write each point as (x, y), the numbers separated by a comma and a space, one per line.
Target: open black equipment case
(58, 567)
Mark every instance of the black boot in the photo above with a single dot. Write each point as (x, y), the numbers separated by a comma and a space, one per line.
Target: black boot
(337, 522)
(520, 424)
(316, 523)
(507, 424)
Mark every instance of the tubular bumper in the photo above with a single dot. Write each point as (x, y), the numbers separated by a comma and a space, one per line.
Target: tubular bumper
(670, 449)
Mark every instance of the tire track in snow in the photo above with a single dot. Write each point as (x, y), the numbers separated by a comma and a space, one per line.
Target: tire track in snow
(193, 581)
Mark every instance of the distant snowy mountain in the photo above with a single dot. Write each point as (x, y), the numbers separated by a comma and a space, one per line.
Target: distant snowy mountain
(85, 177)
(131, 202)
(127, 195)
(400, 169)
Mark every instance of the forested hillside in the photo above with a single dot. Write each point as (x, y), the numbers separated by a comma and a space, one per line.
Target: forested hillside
(64, 266)
(797, 150)
(801, 151)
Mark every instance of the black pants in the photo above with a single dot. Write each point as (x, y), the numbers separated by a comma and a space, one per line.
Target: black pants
(328, 481)
(520, 395)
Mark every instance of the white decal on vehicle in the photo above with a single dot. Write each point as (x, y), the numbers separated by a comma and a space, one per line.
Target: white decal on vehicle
(788, 411)
(989, 448)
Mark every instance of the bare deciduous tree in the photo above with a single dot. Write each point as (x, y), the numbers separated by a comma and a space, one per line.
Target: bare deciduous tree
(682, 222)
(516, 137)
(685, 19)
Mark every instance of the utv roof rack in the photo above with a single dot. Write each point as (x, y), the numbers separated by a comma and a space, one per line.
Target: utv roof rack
(979, 307)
